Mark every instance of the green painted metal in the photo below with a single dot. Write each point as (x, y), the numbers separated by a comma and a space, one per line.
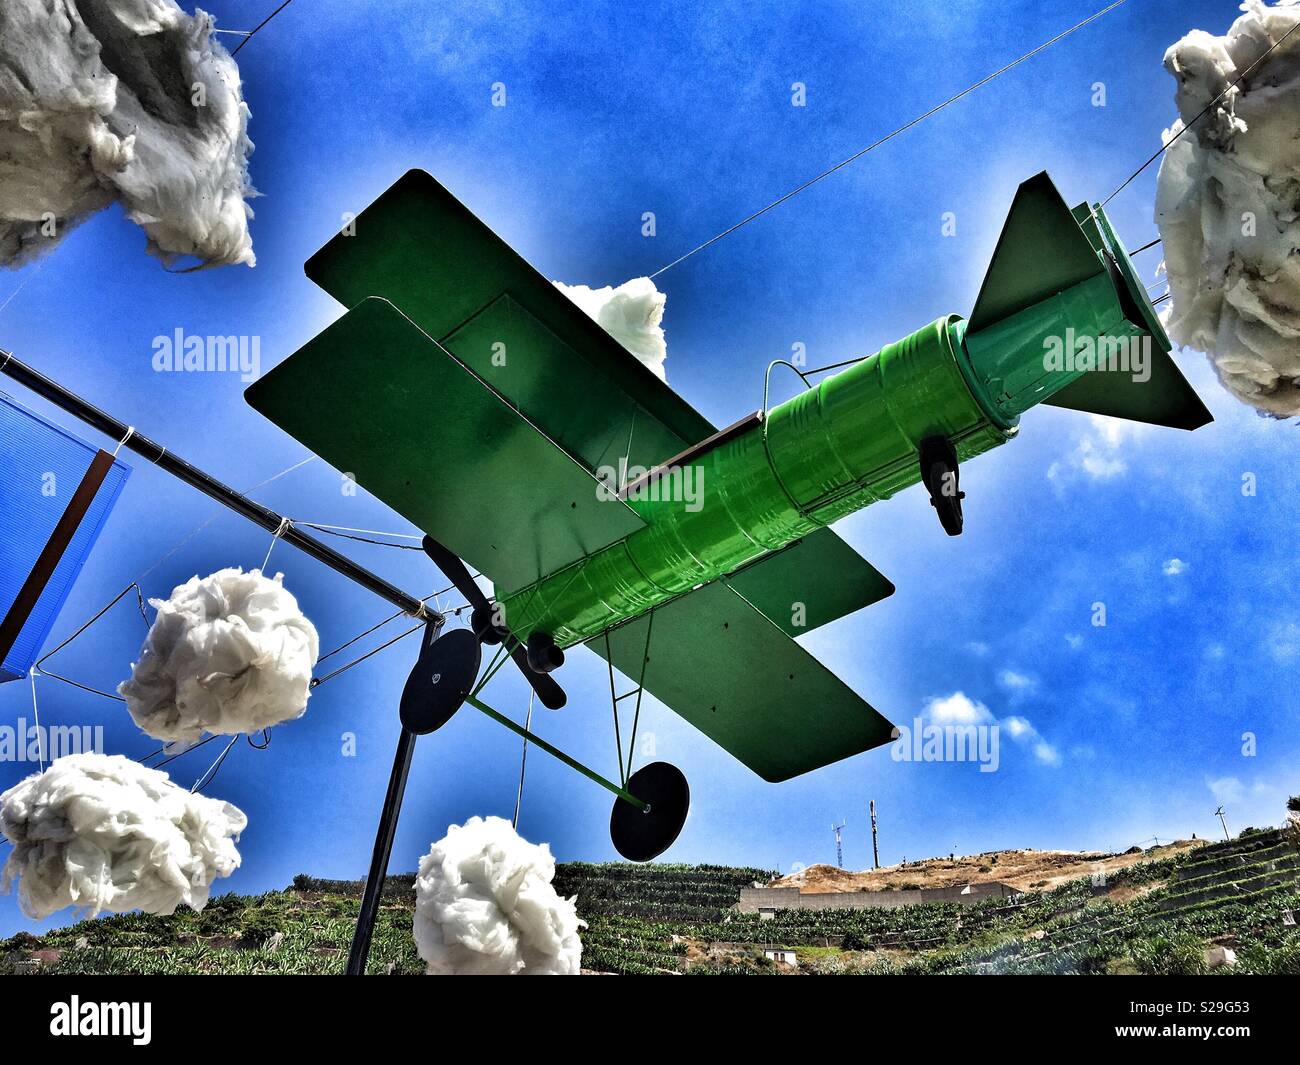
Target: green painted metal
(811, 583)
(850, 441)
(740, 680)
(422, 433)
(490, 445)
(1165, 397)
(536, 740)
(419, 247)
(1063, 278)
(425, 251)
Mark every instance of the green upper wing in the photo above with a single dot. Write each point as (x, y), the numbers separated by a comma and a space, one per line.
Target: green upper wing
(727, 669)
(520, 343)
(377, 398)
(421, 248)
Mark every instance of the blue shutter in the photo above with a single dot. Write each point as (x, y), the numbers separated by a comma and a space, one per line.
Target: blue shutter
(41, 468)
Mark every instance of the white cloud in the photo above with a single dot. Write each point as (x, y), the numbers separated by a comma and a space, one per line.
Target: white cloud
(1284, 642)
(960, 709)
(632, 314)
(1173, 567)
(100, 106)
(1017, 683)
(1097, 455)
(1226, 789)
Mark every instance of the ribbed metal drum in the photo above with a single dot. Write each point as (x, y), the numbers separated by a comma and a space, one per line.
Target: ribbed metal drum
(834, 449)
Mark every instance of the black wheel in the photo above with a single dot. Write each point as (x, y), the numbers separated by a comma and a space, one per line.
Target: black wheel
(641, 836)
(947, 500)
(941, 477)
(440, 681)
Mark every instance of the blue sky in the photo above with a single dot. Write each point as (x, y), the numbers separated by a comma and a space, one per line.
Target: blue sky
(685, 110)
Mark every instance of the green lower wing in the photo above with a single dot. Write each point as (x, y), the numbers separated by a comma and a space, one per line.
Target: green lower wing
(378, 399)
(812, 582)
(723, 666)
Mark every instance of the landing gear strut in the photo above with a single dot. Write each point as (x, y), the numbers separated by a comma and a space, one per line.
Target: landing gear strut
(940, 475)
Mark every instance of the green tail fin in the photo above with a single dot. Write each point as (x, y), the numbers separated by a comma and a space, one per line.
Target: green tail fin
(1042, 252)
(1046, 250)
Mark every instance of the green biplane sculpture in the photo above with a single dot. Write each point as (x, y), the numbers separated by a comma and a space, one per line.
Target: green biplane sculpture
(475, 399)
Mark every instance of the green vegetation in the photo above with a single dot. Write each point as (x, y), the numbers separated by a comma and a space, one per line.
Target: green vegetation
(1155, 917)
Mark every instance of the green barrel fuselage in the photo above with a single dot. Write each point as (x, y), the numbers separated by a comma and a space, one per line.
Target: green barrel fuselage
(848, 442)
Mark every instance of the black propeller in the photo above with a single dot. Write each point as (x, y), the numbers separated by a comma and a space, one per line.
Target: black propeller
(534, 661)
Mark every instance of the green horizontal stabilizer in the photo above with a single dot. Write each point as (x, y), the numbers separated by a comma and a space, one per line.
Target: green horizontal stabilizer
(376, 398)
(1165, 397)
(719, 663)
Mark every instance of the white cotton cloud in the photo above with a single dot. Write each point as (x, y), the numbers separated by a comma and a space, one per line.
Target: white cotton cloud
(101, 832)
(229, 653)
(1174, 567)
(127, 101)
(1228, 206)
(484, 905)
(959, 709)
(632, 313)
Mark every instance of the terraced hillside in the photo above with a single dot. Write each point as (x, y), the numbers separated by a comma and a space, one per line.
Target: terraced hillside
(1156, 916)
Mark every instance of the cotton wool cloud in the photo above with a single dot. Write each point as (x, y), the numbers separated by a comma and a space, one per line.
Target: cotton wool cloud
(227, 653)
(121, 101)
(1228, 205)
(485, 905)
(632, 313)
(103, 833)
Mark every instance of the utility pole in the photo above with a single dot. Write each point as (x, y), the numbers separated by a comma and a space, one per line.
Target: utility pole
(875, 850)
(839, 846)
(1224, 821)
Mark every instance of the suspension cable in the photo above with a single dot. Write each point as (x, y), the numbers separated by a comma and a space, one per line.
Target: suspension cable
(890, 136)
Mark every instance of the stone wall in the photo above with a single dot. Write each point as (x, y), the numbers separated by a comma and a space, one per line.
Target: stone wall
(753, 900)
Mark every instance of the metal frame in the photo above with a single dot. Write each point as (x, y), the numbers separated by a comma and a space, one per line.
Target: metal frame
(283, 527)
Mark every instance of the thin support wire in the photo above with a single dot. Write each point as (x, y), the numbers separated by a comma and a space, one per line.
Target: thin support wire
(890, 136)
(36, 713)
(523, 763)
(613, 702)
(636, 717)
(207, 777)
(334, 531)
(253, 31)
(1202, 113)
(316, 682)
(39, 667)
(285, 523)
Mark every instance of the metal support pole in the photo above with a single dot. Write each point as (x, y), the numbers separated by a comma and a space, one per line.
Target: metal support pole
(209, 486)
(365, 929)
(555, 752)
